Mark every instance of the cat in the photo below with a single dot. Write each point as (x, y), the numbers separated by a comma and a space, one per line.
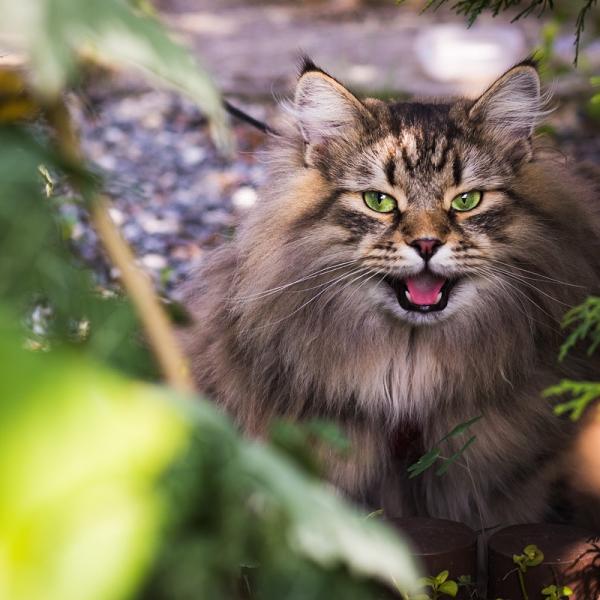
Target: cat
(404, 271)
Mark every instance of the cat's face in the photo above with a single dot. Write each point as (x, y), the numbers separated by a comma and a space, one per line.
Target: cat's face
(418, 195)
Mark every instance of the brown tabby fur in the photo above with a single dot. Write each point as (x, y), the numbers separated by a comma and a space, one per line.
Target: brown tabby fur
(293, 317)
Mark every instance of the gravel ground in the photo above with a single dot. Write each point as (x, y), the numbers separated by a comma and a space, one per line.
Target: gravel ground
(174, 196)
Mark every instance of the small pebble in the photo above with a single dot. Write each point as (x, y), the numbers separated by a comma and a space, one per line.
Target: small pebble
(244, 197)
(154, 261)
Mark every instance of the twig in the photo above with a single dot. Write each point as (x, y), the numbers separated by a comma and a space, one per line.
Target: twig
(161, 338)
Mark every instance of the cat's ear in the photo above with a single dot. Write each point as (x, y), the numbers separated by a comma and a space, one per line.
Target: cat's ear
(513, 105)
(323, 107)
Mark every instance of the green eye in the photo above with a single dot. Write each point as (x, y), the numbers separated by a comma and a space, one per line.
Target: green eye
(467, 201)
(379, 201)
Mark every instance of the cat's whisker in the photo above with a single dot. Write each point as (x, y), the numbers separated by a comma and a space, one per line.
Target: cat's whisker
(274, 290)
(329, 286)
(347, 300)
(540, 275)
(520, 279)
(523, 294)
(490, 278)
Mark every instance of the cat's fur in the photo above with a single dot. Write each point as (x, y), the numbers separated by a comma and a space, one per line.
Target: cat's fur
(286, 325)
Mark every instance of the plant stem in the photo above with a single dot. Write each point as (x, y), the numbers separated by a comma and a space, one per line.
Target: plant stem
(159, 332)
(522, 584)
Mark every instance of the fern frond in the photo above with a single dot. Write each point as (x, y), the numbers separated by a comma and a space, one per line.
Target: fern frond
(585, 323)
(582, 393)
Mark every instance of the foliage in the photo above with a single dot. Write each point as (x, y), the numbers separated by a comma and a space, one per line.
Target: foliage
(585, 323)
(471, 9)
(440, 586)
(553, 592)
(80, 511)
(532, 556)
(111, 488)
(430, 458)
(239, 503)
(56, 33)
(583, 394)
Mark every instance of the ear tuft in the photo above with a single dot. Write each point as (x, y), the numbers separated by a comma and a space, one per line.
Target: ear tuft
(513, 104)
(306, 65)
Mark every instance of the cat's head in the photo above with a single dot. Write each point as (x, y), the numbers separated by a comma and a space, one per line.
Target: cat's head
(417, 199)
(419, 191)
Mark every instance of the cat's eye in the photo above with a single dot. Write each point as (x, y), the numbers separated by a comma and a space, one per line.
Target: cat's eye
(380, 202)
(467, 201)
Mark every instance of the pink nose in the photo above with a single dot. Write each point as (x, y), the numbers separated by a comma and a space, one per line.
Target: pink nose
(426, 247)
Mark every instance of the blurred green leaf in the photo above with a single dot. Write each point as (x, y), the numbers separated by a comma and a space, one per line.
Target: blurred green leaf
(37, 266)
(53, 33)
(441, 577)
(449, 588)
(80, 512)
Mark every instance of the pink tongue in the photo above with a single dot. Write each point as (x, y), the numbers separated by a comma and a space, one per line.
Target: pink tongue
(424, 288)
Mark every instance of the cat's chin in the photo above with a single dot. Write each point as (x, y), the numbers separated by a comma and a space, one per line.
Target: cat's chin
(455, 293)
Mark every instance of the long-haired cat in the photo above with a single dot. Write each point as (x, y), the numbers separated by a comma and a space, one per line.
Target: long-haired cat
(405, 270)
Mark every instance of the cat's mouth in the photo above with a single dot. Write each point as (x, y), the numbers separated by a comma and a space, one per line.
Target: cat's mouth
(422, 293)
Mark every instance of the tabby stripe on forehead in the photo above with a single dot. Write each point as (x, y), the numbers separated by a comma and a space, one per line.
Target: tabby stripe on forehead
(457, 169)
(410, 167)
(390, 170)
(440, 163)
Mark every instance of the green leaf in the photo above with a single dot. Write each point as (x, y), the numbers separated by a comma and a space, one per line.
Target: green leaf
(450, 588)
(534, 555)
(461, 428)
(441, 577)
(452, 459)
(566, 590)
(426, 582)
(53, 33)
(79, 499)
(424, 463)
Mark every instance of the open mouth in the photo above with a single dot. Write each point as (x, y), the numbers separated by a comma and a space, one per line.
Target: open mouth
(422, 293)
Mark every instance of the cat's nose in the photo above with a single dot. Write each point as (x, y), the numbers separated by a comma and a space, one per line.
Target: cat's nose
(426, 247)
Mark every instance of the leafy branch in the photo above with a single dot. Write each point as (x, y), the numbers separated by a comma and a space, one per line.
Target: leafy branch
(473, 8)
